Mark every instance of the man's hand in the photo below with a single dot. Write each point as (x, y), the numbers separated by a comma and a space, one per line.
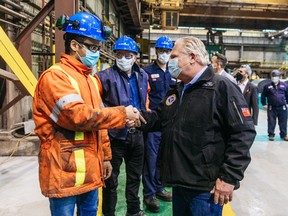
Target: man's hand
(140, 121)
(223, 192)
(107, 169)
(265, 107)
(132, 122)
(132, 113)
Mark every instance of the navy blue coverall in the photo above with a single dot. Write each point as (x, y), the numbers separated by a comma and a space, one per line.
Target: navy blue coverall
(121, 90)
(276, 97)
(159, 81)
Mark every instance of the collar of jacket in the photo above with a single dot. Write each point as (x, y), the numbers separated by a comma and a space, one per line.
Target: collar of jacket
(155, 63)
(135, 68)
(205, 77)
(76, 65)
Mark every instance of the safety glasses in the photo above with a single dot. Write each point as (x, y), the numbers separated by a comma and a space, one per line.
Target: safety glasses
(92, 47)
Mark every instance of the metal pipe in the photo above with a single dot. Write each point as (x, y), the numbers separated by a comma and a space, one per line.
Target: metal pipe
(14, 5)
(36, 21)
(43, 54)
(10, 23)
(11, 12)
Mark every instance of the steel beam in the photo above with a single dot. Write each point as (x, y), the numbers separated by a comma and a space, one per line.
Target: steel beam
(12, 77)
(230, 13)
(63, 7)
(35, 22)
(134, 11)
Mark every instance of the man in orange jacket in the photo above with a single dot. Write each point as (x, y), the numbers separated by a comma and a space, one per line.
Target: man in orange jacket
(72, 122)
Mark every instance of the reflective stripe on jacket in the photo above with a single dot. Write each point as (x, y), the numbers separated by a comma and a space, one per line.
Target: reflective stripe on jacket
(71, 124)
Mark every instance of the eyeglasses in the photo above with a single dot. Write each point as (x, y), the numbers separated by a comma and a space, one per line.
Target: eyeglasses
(126, 55)
(92, 47)
(161, 51)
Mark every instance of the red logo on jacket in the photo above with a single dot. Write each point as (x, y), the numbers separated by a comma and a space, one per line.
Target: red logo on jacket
(246, 112)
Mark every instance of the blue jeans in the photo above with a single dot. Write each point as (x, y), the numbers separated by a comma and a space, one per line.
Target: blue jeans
(87, 204)
(188, 202)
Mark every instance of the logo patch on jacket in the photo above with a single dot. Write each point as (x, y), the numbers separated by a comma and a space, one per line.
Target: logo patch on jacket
(208, 84)
(154, 77)
(245, 112)
(170, 100)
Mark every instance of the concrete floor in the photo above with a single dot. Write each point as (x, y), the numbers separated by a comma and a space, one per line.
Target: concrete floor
(263, 191)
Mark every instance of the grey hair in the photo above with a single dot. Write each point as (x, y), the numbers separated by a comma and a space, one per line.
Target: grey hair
(197, 47)
(248, 69)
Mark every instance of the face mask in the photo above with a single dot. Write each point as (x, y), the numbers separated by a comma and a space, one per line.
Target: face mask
(173, 68)
(275, 79)
(239, 76)
(124, 64)
(91, 58)
(163, 57)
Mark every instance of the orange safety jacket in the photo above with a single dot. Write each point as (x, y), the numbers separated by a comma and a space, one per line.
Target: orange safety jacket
(72, 124)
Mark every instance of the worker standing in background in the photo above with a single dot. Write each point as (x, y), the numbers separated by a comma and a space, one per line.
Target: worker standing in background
(159, 80)
(219, 63)
(124, 84)
(71, 121)
(274, 99)
(248, 90)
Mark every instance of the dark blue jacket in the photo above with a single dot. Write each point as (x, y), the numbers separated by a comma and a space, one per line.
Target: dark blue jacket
(116, 90)
(159, 83)
(275, 95)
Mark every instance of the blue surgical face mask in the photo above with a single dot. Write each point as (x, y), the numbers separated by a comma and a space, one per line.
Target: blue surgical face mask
(124, 64)
(173, 68)
(91, 58)
(275, 79)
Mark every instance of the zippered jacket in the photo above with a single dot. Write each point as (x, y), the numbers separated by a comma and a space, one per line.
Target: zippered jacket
(72, 124)
(275, 95)
(205, 136)
(159, 82)
(116, 88)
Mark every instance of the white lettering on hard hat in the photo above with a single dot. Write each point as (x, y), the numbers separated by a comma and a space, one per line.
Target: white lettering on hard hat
(123, 43)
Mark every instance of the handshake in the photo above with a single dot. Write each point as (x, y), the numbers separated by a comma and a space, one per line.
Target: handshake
(133, 117)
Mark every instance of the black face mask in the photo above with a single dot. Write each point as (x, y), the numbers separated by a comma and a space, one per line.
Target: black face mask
(239, 76)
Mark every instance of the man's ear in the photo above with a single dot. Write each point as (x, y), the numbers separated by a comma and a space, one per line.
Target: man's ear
(192, 58)
(135, 58)
(74, 46)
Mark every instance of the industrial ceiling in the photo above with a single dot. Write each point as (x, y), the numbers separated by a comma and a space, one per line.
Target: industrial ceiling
(241, 14)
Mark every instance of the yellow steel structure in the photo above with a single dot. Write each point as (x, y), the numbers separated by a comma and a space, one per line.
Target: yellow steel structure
(14, 60)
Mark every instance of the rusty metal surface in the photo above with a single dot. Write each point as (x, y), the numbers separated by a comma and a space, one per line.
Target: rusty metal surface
(71, 7)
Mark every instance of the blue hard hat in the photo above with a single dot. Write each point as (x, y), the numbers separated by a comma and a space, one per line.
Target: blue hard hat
(126, 43)
(164, 42)
(86, 24)
(275, 73)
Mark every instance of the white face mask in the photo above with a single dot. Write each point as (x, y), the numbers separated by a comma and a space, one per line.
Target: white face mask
(163, 57)
(124, 64)
(275, 79)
